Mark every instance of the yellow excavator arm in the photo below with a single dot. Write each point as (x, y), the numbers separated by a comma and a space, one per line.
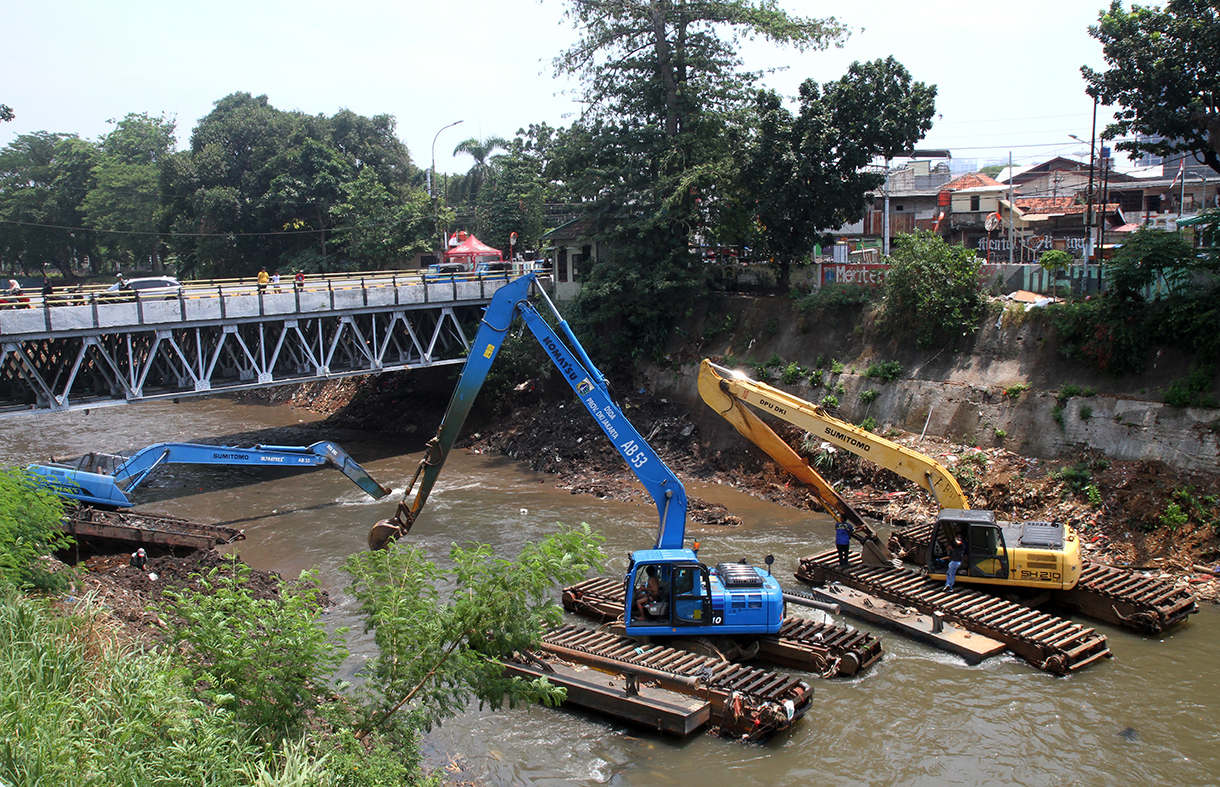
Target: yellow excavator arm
(719, 395)
(726, 391)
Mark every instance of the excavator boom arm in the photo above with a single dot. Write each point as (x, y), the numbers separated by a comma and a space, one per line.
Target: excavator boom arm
(925, 472)
(89, 484)
(717, 395)
(586, 381)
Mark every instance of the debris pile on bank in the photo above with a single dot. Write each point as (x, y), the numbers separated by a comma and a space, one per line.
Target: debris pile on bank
(132, 596)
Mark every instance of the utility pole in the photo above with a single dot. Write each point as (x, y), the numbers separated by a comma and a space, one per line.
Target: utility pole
(885, 221)
(1012, 210)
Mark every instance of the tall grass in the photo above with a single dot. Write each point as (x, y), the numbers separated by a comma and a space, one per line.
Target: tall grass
(79, 708)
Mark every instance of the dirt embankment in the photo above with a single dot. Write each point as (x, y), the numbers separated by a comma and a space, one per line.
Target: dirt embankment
(134, 597)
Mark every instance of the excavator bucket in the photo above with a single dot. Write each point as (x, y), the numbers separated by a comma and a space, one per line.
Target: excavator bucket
(384, 533)
(874, 553)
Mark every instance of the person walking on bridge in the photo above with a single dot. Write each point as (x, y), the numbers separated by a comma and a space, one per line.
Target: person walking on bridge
(263, 278)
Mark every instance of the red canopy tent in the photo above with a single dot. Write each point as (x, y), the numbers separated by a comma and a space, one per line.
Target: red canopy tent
(471, 252)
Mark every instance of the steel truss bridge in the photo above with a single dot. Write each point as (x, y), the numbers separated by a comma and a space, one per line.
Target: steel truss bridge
(212, 339)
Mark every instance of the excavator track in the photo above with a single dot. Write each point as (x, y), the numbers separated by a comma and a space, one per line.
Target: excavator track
(1119, 596)
(745, 702)
(828, 649)
(1048, 642)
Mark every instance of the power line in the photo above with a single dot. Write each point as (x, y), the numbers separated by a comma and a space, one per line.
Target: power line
(190, 234)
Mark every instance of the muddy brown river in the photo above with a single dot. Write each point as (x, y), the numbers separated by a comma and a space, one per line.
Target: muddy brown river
(1150, 716)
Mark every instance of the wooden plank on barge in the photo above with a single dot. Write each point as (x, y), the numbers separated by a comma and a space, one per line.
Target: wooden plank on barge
(971, 646)
(655, 708)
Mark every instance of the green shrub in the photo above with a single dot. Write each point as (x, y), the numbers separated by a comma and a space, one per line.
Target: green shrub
(79, 709)
(836, 367)
(1000, 433)
(1055, 260)
(1094, 494)
(868, 424)
(774, 362)
(931, 289)
(830, 402)
(834, 295)
(772, 327)
(1077, 476)
(1194, 390)
(1086, 412)
(793, 373)
(869, 396)
(1173, 517)
(885, 371)
(1015, 391)
(29, 529)
(815, 379)
(265, 660)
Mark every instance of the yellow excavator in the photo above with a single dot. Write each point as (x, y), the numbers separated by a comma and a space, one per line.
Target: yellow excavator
(1042, 555)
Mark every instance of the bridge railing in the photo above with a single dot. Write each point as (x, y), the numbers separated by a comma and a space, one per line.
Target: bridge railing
(221, 300)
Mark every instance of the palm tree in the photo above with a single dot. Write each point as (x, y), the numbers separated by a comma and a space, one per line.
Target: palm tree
(480, 151)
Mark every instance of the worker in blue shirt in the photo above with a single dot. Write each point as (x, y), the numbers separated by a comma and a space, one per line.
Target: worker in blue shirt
(843, 543)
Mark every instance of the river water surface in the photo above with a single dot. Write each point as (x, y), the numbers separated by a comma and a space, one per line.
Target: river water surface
(918, 717)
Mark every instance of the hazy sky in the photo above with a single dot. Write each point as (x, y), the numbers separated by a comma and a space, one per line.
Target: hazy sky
(1008, 74)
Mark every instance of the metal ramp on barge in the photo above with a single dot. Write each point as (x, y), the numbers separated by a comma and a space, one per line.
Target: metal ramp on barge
(1048, 642)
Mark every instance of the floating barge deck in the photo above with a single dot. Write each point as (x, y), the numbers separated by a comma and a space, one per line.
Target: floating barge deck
(666, 689)
(1119, 596)
(1048, 642)
(131, 530)
(828, 649)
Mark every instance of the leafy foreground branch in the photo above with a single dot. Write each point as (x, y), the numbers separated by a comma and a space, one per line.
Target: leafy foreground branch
(247, 693)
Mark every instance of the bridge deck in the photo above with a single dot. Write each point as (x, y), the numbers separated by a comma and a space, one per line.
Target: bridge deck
(229, 337)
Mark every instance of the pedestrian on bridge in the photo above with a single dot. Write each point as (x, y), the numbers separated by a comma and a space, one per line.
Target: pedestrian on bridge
(263, 278)
(298, 281)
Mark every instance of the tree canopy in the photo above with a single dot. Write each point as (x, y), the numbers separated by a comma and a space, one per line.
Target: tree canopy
(808, 174)
(44, 179)
(124, 202)
(260, 184)
(655, 157)
(1163, 73)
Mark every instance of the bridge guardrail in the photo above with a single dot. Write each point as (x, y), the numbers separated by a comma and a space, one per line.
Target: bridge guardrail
(225, 299)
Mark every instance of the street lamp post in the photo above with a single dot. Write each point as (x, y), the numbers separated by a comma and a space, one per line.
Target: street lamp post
(436, 216)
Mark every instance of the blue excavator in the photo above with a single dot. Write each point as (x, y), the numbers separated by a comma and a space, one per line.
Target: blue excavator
(669, 590)
(106, 480)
